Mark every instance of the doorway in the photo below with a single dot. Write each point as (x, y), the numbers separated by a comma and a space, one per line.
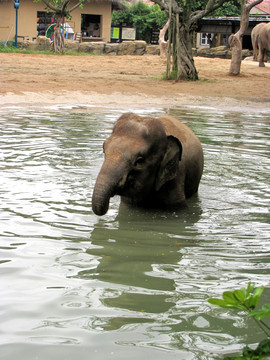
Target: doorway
(91, 25)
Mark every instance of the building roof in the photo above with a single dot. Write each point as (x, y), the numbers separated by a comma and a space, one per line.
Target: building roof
(263, 6)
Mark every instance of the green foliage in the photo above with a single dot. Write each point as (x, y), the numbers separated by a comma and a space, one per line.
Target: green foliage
(243, 299)
(141, 16)
(262, 313)
(8, 48)
(262, 351)
(230, 8)
(247, 299)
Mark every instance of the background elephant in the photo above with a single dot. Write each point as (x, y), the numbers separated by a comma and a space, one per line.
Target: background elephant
(152, 163)
(263, 43)
(255, 38)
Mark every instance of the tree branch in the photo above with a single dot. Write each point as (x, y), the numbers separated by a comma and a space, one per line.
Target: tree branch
(65, 5)
(62, 8)
(77, 5)
(254, 3)
(50, 6)
(210, 7)
(165, 5)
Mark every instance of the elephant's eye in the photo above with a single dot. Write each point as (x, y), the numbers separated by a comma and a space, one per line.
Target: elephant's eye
(139, 161)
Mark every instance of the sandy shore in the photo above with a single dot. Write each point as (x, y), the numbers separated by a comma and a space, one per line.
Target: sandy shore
(128, 81)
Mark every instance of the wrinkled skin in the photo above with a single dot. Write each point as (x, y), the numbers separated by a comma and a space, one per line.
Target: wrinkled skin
(152, 163)
(263, 43)
(255, 39)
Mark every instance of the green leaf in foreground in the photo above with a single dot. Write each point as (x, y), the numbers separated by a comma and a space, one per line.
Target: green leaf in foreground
(244, 299)
(262, 351)
(261, 313)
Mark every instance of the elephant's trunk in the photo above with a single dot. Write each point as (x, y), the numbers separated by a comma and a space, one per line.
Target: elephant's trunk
(101, 199)
(107, 184)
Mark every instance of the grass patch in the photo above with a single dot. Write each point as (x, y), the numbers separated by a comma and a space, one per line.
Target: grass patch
(204, 80)
(172, 76)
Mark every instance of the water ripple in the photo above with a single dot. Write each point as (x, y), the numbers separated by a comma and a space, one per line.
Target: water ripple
(131, 283)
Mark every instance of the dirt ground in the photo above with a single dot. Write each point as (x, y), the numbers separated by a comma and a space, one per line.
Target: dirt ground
(45, 79)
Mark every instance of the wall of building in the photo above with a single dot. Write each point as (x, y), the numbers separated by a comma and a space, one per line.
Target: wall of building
(7, 20)
(27, 18)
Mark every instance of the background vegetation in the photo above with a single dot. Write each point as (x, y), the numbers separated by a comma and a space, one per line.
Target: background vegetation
(142, 17)
(147, 18)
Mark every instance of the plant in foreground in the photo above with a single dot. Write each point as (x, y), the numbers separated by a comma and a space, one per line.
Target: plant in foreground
(247, 299)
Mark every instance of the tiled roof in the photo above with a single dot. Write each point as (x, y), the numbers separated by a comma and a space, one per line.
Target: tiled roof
(263, 6)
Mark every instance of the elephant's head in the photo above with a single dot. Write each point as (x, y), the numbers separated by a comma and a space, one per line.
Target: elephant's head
(139, 159)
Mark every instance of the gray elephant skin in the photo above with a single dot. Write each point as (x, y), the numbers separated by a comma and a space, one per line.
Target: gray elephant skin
(260, 37)
(154, 163)
(255, 39)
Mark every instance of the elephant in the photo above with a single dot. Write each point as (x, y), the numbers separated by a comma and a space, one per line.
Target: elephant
(254, 38)
(153, 163)
(263, 43)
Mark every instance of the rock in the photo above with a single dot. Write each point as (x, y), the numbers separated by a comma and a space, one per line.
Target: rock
(246, 53)
(204, 51)
(127, 48)
(219, 51)
(220, 48)
(71, 45)
(152, 50)
(40, 44)
(140, 47)
(112, 48)
(43, 43)
(96, 48)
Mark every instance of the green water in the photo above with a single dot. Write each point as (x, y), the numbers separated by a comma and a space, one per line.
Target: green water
(132, 284)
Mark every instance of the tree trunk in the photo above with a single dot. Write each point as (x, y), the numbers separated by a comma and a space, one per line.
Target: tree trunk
(163, 45)
(235, 40)
(183, 63)
(58, 36)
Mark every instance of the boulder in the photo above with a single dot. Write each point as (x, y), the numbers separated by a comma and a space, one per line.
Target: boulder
(140, 47)
(219, 51)
(40, 44)
(127, 48)
(152, 50)
(96, 48)
(43, 43)
(71, 45)
(205, 51)
(112, 48)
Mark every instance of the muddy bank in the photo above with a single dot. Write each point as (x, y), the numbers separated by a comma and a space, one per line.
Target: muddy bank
(128, 80)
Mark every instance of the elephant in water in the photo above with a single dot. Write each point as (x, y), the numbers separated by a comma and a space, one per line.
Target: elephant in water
(150, 163)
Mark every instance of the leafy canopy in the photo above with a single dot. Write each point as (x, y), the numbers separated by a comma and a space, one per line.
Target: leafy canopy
(141, 16)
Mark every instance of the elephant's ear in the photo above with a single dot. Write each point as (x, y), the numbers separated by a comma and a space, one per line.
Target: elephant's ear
(170, 163)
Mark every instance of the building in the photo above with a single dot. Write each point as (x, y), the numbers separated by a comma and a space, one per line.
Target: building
(261, 9)
(93, 21)
(216, 31)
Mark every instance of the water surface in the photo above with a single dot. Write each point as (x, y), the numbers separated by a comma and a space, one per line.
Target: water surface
(133, 283)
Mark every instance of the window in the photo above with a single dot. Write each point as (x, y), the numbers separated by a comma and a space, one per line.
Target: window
(205, 38)
(44, 20)
(91, 25)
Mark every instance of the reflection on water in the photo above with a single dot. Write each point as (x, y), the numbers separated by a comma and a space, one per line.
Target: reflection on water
(132, 283)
